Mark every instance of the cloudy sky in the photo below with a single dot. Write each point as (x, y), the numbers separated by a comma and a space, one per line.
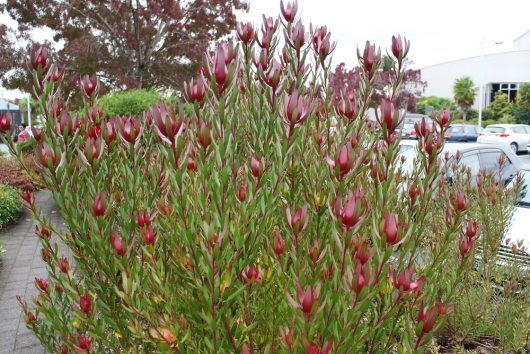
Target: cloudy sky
(439, 30)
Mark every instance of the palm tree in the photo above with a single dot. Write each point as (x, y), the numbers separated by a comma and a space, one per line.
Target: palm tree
(464, 94)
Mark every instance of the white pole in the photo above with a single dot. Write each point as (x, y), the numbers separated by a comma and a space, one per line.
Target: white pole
(29, 112)
(480, 94)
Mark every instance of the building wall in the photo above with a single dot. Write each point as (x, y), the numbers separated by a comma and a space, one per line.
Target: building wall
(508, 67)
(522, 42)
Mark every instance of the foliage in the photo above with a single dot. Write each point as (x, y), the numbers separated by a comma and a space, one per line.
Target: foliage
(501, 106)
(495, 299)
(344, 79)
(247, 227)
(437, 104)
(129, 103)
(521, 114)
(523, 96)
(154, 44)
(10, 206)
(464, 91)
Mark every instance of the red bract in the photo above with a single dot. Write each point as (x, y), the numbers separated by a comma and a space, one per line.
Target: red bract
(289, 11)
(297, 36)
(297, 109)
(242, 192)
(245, 32)
(413, 191)
(31, 318)
(43, 232)
(27, 196)
(149, 236)
(5, 122)
(306, 298)
(369, 58)
(252, 275)
(37, 133)
(144, 218)
(54, 74)
(344, 160)
(470, 228)
(346, 107)
(297, 221)
(100, 204)
(273, 74)
(322, 44)
(43, 285)
(256, 167)
(444, 118)
(39, 59)
(94, 131)
(85, 304)
(130, 129)
(391, 228)
(353, 212)
(89, 85)
(460, 201)
(400, 47)
(191, 164)
(315, 349)
(465, 246)
(93, 149)
(84, 342)
(63, 264)
(109, 132)
(166, 125)
(279, 243)
(404, 282)
(204, 136)
(118, 244)
(195, 90)
(429, 317)
(362, 277)
(388, 114)
(220, 68)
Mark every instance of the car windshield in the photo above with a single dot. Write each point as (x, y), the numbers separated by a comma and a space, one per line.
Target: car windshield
(408, 126)
(495, 130)
(459, 129)
(524, 193)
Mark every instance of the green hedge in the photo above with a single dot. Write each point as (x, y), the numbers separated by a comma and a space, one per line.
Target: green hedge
(131, 102)
(10, 205)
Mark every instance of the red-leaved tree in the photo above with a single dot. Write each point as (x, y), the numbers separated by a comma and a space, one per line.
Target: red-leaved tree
(129, 44)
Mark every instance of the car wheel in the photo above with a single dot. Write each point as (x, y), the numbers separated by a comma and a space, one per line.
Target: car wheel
(514, 148)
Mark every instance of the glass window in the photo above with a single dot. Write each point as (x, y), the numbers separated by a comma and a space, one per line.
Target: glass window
(490, 160)
(519, 130)
(495, 130)
(455, 129)
(472, 162)
(504, 86)
(470, 130)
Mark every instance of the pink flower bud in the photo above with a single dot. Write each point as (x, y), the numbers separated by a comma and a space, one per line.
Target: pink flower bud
(297, 221)
(388, 113)
(460, 201)
(37, 133)
(306, 298)
(256, 167)
(289, 11)
(109, 132)
(252, 275)
(84, 342)
(89, 85)
(27, 196)
(191, 164)
(195, 90)
(130, 129)
(465, 246)
(118, 244)
(243, 191)
(279, 243)
(100, 204)
(220, 69)
(166, 124)
(405, 283)
(397, 47)
(5, 122)
(470, 228)
(63, 264)
(43, 285)
(39, 59)
(149, 236)
(344, 160)
(43, 232)
(245, 31)
(391, 228)
(205, 137)
(85, 304)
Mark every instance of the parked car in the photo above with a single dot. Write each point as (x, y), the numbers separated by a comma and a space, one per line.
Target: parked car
(462, 133)
(407, 130)
(516, 136)
(477, 157)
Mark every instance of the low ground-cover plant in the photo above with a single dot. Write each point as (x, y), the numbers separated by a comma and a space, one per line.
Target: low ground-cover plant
(249, 225)
(12, 174)
(10, 205)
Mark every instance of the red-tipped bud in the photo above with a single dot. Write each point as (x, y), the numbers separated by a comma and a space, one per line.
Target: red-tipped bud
(43, 232)
(43, 285)
(220, 68)
(118, 244)
(279, 243)
(306, 298)
(354, 211)
(389, 116)
(89, 85)
(31, 318)
(289, 11)
(64, 265)
(109, 132)
(405, 283)
(465, 246)
(256, 166)
(397, 47)
(5, 122)
(37, 133)
(100, 204)
(391, 228)
(471, 228)
(84, 342)
(344, 160)
(298, 220)
(46, 255)
(242, 192)
(144, 218)
(252, 275)
(130, 129)
(297, 109)
(444, 118)
(460, 201)
(195, 90)
(149, 236)
(39, 59)
(27, 196)
(205, 137)
(245, 32)
(413, 191)
(85, 304)
(191, 164)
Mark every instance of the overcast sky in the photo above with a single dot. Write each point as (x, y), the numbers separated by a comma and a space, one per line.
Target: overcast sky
(439, 31)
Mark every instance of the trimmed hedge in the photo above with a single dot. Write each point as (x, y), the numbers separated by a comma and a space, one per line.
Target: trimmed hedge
(131, 102)
(10, 205)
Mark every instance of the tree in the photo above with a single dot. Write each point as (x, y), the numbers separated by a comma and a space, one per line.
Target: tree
(349, 79)
(437, 104)
(464, 94)
(521, 109)
(501, 106)
(133, 44)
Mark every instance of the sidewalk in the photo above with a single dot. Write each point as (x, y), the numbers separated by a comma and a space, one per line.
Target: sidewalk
(19, 266)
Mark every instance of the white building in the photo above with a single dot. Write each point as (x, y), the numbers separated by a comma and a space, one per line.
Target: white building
(497, 72)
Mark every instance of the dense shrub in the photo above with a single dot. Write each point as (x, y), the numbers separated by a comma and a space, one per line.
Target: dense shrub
(131, 102)
(249, 226)
(10, 205)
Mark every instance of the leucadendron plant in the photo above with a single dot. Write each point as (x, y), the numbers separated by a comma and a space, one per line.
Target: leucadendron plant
(252, 225)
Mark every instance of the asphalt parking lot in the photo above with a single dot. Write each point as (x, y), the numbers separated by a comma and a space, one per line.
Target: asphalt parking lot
(525, 159)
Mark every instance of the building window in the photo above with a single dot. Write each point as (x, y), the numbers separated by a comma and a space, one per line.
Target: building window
(506, 87)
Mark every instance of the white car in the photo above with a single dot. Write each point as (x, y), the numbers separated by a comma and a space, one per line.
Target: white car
(516, 136)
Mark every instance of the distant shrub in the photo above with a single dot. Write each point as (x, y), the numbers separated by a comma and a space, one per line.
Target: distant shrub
(10, 206)
(132, 102)
(12, 174)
